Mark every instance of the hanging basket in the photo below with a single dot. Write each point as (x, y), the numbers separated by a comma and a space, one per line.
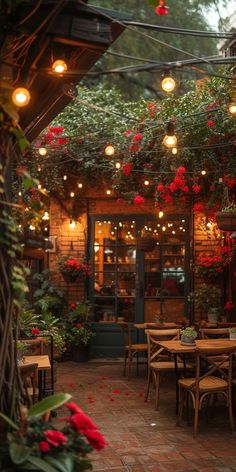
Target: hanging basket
(146, 243)
(226, 221)
(70, 278)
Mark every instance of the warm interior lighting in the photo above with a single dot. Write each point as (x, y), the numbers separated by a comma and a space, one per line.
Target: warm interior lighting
(42, 151)
(32, 227)
(59, 66)
(64, 177)
(232, 108)
(118, 165)
(170, 140)
(174, 150)
(109, 150)
(72, 194)
(203, 172)
(45, 216)
(146, 182)
(160, 214)
(72, 224)
(163, 228)
(21, 97)
(108, 192)
(80, 185)
(168, 84)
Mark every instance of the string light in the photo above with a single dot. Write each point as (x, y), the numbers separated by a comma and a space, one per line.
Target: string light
(21, 96)
(174, 150)
(108, 192)
(109, 150)
(32, 227)
(146, 182)
(163, 228)
(45, 216)
(170, 140)
(39, 169)
(160, 214)
(59, 66)
(19, 193)
(72, 194)
(39, 186)
(232, 108)
(118, 165)
(168, 84)
(64, 177)
(42, 151)
(203, 172)
(80, 185)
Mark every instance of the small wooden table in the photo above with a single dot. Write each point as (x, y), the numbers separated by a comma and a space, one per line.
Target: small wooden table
(156, 325)
(176, 347)
(43, 365)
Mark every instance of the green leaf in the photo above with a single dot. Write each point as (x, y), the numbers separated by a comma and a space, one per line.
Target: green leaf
(28, 183)
(23, 144)
(40, 464)
(19, 452)
(62, 463)
(48, 404)
(9, 421)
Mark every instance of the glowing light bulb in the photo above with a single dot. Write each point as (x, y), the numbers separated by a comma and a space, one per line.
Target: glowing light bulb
(45, 216)
(168, 84)
(203, 172)
(174, 150)
(72, 224)
(170, 141)
(42, 151)
(232, 108)
(118, 165)
(39, 169)
(109, 150)
(19, 193)
(80, 185)
(59, 66)
(39, 186)
(160, 214)
(146, 182)
(21, 97)
(32, 227)
(72, 194)
(163, 228)
(108, 192)
(64, 177)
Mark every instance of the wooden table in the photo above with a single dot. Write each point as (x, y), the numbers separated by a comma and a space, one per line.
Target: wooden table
(176, 347)
(43, 366)
(156, 325)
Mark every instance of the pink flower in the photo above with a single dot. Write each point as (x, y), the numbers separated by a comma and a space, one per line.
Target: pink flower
(95, 439)
(210, 123)
(138, 199)
(44, 446)
(55, 438)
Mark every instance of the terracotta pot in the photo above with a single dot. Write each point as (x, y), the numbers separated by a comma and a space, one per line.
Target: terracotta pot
(146, 243)
(226, 221)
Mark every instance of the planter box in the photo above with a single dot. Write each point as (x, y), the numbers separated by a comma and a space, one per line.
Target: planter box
(226, 221)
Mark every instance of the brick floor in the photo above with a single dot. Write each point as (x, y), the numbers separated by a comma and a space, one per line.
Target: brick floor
(139, 438)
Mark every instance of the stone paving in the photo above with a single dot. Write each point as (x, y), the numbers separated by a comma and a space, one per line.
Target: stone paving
(139, 438)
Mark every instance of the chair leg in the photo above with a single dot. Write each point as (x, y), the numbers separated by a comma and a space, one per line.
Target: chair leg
(196, 415)
(230, 408)
(181, 406)
(148, 384)
(157, 386)
(130, 358)
(125, 362)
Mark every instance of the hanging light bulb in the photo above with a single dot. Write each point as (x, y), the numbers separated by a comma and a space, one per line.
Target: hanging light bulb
(109, 150)
(170, 140)
(72, 224)
(59, 66)
(203, 172)
(80, 185)
(146, 182)
(163, 228)
(42, 151)
(21, 96)
(118, 165)
(64, 177)
(108, 192)
(72, 194)
(161, 214)
(174, 150)
(45, 216)
(232, 108)
(168, 84)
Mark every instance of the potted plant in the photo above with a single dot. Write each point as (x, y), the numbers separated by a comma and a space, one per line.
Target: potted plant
(207, 298)
(226, 218)
(35, 443)
(213, 266)
(78, 331)
(232, 332)
(188, 335)
(72, 269)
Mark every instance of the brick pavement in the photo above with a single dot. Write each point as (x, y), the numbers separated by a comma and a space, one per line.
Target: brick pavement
(139, 438)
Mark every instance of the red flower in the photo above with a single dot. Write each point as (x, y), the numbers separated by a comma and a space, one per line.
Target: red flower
(138, 199)
(128, 133)
(210, 123)
(126, 169)
(137, 137)
(162, 10)
(56, 130)
(79, 325)
(173, 187)
(81, 422)
(44, 446)
(151, 105)
(198, 207)
(95, 439)
(35, 331)
(196, 188)
(72, 306)
(160, 187)
(73, 407)
(134, 148)
(55, 438)
(185, 188)
(181, 170)
(229, 305)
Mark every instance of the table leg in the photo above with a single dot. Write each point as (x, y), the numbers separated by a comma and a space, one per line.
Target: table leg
(176, 384)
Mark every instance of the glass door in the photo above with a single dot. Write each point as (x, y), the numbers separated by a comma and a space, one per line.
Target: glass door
(133, 285)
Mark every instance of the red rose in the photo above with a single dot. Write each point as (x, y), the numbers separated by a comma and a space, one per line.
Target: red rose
(81, 422)
(134, 148)
(229, 305)
(73, 407)
(196, 188)
(181, 170)
(72, 306)
(44, 446)
(79, 325)
(173, 187)
(198, 207)
(55, 438)
(126, 169)
(162, 11)
(35, 331)
(210, 123)
(160, 187)
(95, 439)
(138, 200)
(137, 137)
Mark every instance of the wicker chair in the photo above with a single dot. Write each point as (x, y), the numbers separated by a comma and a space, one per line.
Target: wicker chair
(216, 379)
(158, 361)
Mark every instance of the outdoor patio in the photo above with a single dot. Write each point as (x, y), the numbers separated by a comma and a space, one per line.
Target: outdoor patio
(139, 438)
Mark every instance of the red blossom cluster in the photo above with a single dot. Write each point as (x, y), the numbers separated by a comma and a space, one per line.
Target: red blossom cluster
(78, 423)
(75, 265)
(214, 264)
(229, 306)
(139, 199)
(162, 9)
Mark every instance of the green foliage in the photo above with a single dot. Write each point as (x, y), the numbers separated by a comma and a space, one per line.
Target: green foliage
(77, 328)
(189, 332)
(206, 296)
(48, 297)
